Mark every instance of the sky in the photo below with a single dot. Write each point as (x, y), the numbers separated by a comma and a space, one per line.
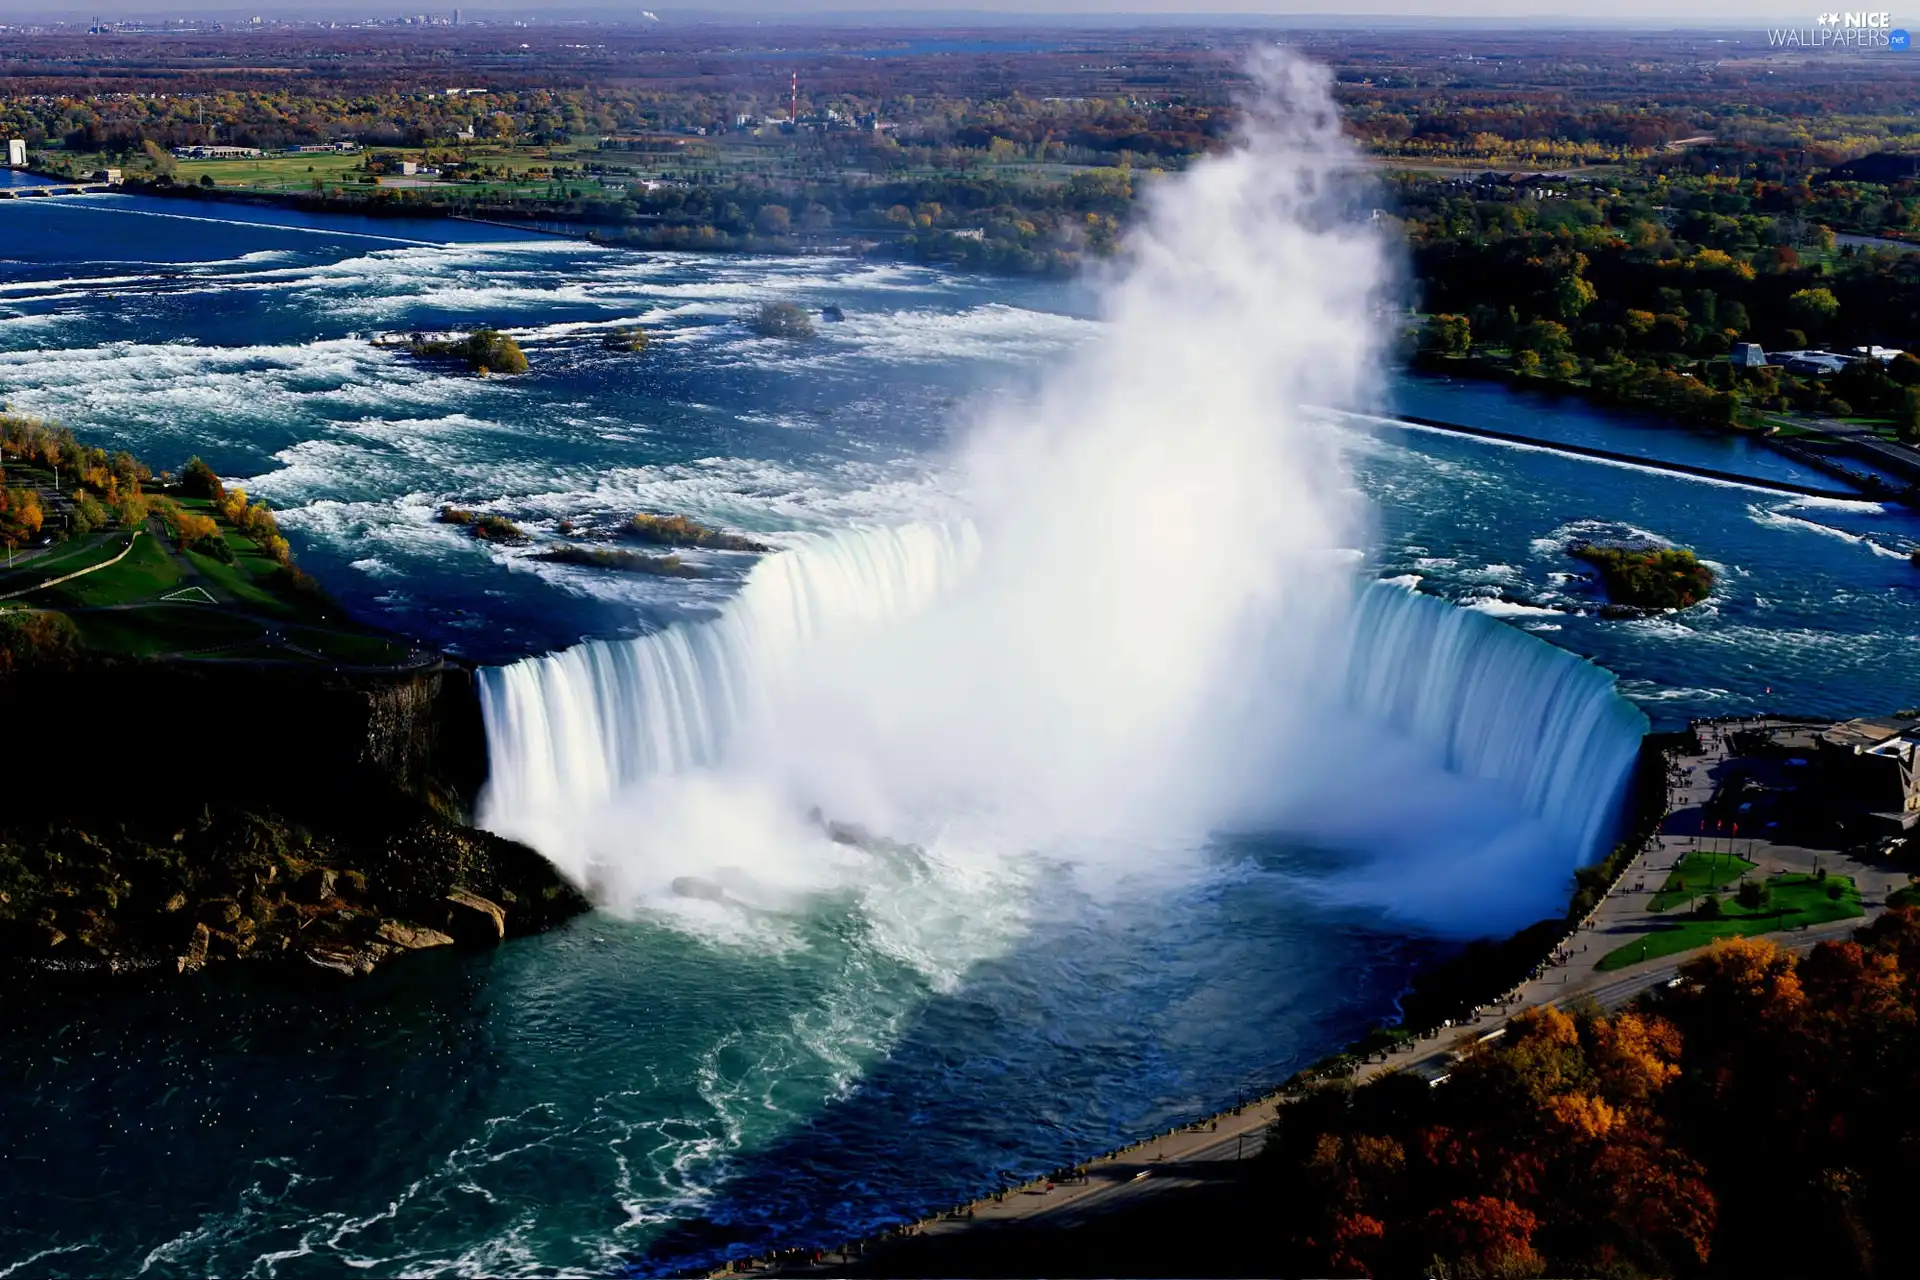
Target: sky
(1662, 13)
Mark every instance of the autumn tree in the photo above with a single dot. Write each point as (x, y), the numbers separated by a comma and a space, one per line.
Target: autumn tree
(197, 480)
(1447, 335)
(1813, 310)
(20, 517)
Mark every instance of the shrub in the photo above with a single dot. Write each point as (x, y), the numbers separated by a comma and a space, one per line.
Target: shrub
(189, 529)
(621, 560)
(678, 531)
(197, 480)
(20, 515)
(291, 578)
(33, 638)
(89, 513)
(484, 351)
(782, 320)
(1709, 908)
(496, 529)
(1754, 895)
(625, 339)
(213, 546)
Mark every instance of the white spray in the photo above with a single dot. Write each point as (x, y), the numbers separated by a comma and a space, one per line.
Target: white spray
(1133, 628)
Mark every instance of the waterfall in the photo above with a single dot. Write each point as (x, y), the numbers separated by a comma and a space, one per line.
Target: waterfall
(567, 732)
(1545, 725)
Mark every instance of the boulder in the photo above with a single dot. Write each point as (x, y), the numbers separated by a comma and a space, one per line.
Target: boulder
(342, 958)
(318, 885)
(412, 937)
(196, 953)
(473, 918)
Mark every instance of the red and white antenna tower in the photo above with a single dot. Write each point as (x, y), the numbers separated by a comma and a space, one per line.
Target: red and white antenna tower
(793, 103)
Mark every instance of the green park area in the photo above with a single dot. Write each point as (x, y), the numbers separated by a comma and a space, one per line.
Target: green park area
(471, 169)
(1698, 873)
(160, 575)
(1793, 901)
(274, 172)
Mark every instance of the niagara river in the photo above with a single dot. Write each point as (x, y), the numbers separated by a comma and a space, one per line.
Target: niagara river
(1022, 804)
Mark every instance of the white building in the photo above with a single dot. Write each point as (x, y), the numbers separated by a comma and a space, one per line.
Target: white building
(217, 153)
(1748, 355)
(16, 153)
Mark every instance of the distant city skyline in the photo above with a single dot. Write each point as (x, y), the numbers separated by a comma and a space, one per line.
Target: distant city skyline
(1531, 12)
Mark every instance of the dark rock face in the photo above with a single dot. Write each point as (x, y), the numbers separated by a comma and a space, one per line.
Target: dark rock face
(321, 826)
(251, 885)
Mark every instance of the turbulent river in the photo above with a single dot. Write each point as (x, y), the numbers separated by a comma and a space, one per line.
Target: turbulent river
(859, 1031)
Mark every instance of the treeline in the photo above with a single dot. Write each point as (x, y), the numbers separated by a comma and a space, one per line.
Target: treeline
(105, 487)
(1759, 1117)
(101, 490)
(1642, 301)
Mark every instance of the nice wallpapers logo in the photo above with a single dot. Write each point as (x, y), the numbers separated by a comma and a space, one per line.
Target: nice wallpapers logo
(1844, 32)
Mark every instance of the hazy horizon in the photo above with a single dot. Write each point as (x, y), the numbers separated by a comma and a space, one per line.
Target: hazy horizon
(1653, 13)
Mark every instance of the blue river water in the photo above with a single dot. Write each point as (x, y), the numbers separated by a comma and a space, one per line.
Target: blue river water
(627, 1093)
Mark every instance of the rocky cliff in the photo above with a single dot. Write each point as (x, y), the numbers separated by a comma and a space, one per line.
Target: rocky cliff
(181, 816)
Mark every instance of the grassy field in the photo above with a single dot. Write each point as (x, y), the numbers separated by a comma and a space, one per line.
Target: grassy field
(348, 647)
(247, 610)
(62, 559)
(273, 173)
(1698, 873)
(301, 172)
(1798, 901)
(152, 630)
(147, 572)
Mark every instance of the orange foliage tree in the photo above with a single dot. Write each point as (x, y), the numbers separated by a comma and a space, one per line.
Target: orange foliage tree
(1670, 1139)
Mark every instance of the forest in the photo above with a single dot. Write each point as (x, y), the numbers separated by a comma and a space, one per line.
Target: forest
(1755, 1117)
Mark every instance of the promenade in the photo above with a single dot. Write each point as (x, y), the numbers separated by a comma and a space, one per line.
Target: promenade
(1190, 1157)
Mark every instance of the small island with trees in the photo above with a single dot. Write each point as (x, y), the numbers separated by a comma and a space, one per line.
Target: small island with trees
(628, 338)
(484, 351)
(679, 531)
(1641, 576)
(782, 320)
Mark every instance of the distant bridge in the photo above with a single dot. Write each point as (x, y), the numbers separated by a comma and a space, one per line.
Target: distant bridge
(54, 189)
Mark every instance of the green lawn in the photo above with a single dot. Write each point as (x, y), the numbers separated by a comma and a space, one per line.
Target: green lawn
(1798, 901)
(349, 647)
(237, 582)
(273, 173)
(1698, 873)
(146, 572)
(75, 553)
(162, 628)
(252, 580)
